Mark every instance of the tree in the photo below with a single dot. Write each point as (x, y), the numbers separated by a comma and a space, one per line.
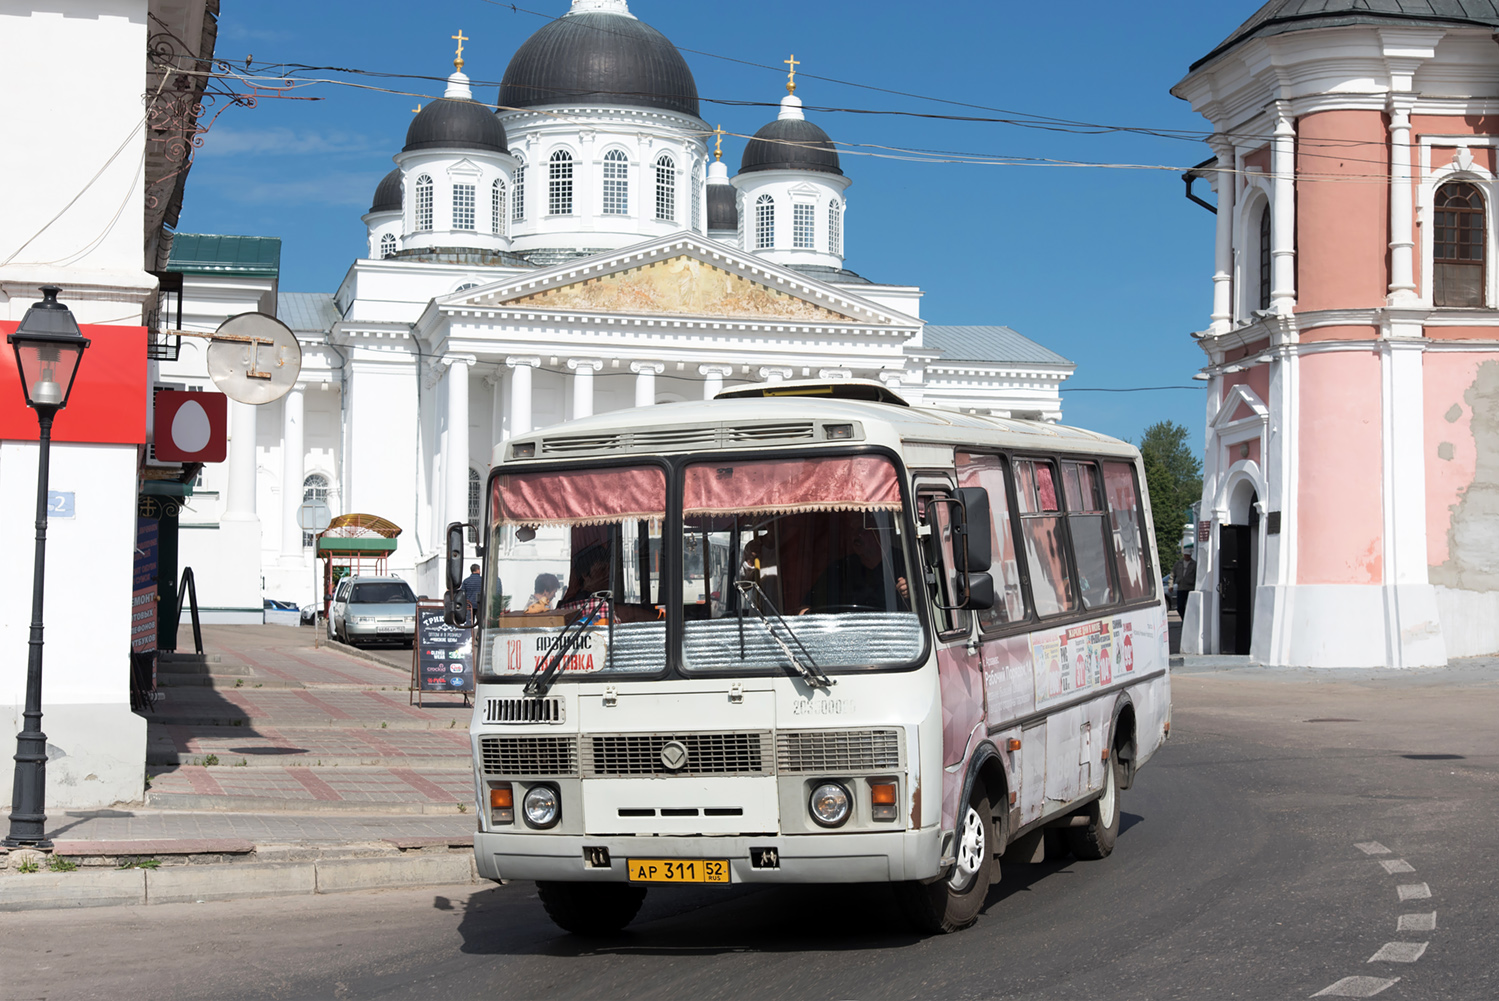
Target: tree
(1173, 475)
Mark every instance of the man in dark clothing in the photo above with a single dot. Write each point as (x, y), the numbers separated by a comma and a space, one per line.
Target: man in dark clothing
(471, 586)
(860, 581)
(1184, 577)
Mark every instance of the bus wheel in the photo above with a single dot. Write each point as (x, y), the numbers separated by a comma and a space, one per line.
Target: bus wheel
(951, 903)
(591, 909)
(1096, 840)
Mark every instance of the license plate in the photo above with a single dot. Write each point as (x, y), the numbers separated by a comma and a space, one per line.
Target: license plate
(651, 870)
(390, 629)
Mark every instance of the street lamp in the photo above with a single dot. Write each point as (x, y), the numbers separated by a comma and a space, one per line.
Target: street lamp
(48, 348)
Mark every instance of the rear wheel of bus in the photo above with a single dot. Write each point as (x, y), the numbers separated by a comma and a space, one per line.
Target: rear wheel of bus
(1096, 840)
(952, 902)
(591, 909)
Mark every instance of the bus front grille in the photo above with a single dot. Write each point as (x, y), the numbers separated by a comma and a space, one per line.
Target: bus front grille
(707, 754)
(523, 710)
(529, 755)
(838, 750)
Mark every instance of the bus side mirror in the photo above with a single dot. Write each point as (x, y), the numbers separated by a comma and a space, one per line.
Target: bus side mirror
(455, 609)
(978, 591)
(977, 550)
(455, 555)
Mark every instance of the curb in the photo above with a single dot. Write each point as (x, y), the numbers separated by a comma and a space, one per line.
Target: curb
(195, 802)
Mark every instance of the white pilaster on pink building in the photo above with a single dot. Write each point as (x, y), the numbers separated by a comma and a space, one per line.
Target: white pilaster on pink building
(1353, 334)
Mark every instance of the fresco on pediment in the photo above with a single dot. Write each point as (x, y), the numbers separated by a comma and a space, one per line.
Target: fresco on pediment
(679, 285)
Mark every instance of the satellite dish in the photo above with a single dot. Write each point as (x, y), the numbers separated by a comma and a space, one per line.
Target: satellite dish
(254, 358)
(313, 516)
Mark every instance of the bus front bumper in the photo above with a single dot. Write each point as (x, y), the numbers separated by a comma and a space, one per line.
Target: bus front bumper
(873, 857)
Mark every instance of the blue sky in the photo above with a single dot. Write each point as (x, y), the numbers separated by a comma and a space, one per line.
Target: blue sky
(1110, 267)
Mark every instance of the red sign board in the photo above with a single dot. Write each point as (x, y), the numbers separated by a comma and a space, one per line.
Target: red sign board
(191, 427)
(108, 402)
(1204, 531)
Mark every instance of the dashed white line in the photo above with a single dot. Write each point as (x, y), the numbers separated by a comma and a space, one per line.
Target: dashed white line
(1417, 922)
(1356, 987)
(1398, 952)
(1372, 848)
(1395, 865)
(1413, 891)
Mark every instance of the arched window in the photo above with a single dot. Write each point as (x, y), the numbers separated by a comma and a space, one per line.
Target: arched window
(387, 245)
(475, 495)
(560, 180)
(498, 217)
(803, 226)
(1457, 244)
(697, 201)
(616, 183)
(423, 220)
(765, 222)
(518, 206)
(314, 488)
(666, 189)
(1265, 258)
(463, 207)
(835, 229)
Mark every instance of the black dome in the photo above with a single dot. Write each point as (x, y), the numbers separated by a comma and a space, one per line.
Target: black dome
(790, 144)
(599, 58)
(455, 123)
(388, 194)
(723, 207)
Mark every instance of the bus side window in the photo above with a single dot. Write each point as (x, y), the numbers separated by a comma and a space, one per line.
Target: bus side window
(1131, 555)
(938, 555)
(1038, 493)
(1088, 520)
(988, 471)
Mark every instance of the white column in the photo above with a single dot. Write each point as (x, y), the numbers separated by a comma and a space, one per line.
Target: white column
(455, 458)
(1402, 209)
(520, 393)
(772, 373)
(645, 381)
(240, 504)
(1223, 249)
(714, 377)
(293, 454)
(583, 369)
(496, 383)
(1283, 213)
(835, 374)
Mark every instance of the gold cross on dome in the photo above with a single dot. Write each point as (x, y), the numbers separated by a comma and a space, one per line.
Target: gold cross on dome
(791, 79)
(718, 143)
(417, 110)
(460, 38)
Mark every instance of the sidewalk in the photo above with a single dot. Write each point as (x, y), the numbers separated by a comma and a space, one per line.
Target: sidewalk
(272, 767)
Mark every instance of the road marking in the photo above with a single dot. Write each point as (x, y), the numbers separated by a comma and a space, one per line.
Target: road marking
(1372, 848)
(1413, 891)
(1395, 865)
(1356, 987)
(1417, 922)
(1399, 952)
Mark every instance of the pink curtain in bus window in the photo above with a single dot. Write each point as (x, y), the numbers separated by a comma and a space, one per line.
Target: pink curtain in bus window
(593, 497)
(1046, 487)
(791, 486)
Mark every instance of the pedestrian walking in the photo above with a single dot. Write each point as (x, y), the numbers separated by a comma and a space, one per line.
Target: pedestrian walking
(1184, 576)
(471, 586)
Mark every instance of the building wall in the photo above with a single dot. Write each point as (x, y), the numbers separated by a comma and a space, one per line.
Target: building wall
(1342, 221)
(1340, 512)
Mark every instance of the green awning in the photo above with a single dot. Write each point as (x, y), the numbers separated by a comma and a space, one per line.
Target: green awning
(355, 547)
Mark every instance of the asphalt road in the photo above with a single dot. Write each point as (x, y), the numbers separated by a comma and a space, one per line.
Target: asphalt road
(1238, 875)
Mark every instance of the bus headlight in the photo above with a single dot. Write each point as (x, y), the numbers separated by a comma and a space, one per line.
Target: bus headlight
(542, 807)
(830, 804)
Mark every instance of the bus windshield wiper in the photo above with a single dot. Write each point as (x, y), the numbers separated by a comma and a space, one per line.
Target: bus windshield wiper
(545, 675)
(810, 671)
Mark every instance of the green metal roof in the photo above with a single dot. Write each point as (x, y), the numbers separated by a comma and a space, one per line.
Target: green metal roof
(210, 254)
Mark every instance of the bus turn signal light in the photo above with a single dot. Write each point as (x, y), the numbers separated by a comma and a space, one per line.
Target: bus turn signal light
(501, 804)
(1013, 743)
(882, 800)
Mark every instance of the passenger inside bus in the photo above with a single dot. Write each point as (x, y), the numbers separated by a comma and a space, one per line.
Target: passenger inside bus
(868, 578)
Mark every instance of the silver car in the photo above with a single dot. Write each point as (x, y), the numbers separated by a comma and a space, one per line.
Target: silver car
(373, 609)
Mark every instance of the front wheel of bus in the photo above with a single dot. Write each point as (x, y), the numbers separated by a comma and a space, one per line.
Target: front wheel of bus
(952, 902)
(591, 909)
(1096, 841)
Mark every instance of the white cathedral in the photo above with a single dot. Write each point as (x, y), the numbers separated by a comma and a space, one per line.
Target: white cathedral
(580, 250)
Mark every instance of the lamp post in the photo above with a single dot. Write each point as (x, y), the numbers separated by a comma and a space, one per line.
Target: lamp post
(48, 348)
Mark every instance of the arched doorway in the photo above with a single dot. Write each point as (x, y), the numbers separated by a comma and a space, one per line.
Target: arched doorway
(1238, 551)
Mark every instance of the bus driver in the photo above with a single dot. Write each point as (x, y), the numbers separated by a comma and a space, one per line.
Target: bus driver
(864, 580)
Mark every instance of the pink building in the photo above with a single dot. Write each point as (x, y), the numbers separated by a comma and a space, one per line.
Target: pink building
(1350, 508)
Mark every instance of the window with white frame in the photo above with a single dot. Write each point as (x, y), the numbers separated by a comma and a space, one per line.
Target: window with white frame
(497, 214)
(560, 184)
(835, 228)
(803, 226)
(463, 206)
(616, 183)
(518, 206)
(387, 245)
(314, 488)
(1457, 246)
(765, 222)
(666, 189)
(423, 220)
(697, 201)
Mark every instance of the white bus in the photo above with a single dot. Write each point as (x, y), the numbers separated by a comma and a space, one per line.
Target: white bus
(808, 633)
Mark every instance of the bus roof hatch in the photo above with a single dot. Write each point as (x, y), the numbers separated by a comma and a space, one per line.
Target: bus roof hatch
(866, 390)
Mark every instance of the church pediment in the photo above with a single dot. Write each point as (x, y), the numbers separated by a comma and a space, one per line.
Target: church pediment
(680, 285)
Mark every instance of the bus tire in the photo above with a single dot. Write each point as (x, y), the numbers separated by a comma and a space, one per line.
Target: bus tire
(591, 909)
(1096, 841)
(952, 902)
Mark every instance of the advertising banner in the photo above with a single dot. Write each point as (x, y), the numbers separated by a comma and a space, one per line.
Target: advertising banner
(442, 657)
